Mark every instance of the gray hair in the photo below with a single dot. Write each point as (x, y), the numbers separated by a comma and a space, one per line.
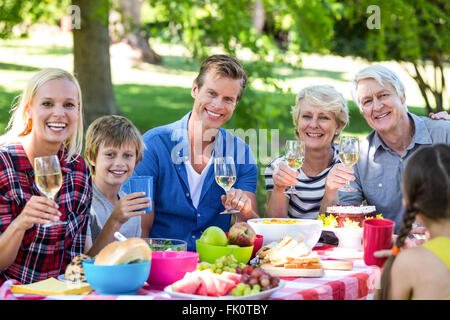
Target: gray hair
(382, 75)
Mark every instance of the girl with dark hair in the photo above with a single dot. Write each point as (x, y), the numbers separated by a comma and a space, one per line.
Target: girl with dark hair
(422, 272)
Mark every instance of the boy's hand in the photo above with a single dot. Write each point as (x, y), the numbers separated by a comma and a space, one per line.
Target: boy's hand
(129, 206)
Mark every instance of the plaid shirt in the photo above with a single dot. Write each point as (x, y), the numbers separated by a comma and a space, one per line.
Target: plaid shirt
(45, 251)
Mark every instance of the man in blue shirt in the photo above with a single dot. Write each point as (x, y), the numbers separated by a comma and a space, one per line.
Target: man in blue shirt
(396, 135)
(180, 156)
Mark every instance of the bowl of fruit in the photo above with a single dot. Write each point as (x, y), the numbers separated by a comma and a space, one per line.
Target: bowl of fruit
(215, 243)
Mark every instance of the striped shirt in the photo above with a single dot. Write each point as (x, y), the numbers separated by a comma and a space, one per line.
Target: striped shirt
(45, 251)
(306, 203)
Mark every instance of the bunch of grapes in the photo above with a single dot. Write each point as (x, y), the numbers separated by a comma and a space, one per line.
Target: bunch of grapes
(254, 280)
(224, 263)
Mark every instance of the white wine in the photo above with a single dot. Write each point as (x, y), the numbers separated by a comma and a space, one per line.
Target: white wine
(349, 159)
(226, 182)
(294, 163)
(49, 184)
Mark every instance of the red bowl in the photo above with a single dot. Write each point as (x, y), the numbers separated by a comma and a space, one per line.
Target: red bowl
(256, 246)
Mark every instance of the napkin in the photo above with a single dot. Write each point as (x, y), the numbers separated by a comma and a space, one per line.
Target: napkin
(51, 286)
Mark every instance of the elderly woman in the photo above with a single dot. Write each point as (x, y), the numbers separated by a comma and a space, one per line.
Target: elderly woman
(47, 121)
(319, 116)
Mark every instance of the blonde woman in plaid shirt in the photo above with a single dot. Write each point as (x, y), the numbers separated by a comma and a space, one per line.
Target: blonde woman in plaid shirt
(46, 121)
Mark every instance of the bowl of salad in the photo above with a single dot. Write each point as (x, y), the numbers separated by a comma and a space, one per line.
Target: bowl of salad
(165, 244)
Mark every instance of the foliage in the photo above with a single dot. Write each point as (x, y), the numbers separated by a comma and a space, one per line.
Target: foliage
(411, 31)
(26, 13)
(200, 25)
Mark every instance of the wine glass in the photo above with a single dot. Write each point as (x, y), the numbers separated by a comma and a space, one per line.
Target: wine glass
(349, 154)
(295, 155)
(48, 176)
(225, 172)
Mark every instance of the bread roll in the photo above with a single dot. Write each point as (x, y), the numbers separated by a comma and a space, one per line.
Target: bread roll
(74, 271)
(129, 251)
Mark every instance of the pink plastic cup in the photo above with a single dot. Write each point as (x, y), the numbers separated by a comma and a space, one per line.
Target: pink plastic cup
(170, 266)
(377, 236)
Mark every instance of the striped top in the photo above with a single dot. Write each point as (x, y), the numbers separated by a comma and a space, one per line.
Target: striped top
(306, 203)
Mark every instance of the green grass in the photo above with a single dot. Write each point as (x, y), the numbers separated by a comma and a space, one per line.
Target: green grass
(167, 104)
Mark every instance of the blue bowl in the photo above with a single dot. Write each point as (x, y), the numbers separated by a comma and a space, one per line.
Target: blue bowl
(121, 279)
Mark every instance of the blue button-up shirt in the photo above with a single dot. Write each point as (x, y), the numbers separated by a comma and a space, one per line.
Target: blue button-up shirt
(379, 169)
(167, 150)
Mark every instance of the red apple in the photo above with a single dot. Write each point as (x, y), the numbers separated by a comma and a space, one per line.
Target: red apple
(241, 234)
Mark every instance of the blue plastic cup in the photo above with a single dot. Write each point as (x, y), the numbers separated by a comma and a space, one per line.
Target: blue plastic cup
(142, 184)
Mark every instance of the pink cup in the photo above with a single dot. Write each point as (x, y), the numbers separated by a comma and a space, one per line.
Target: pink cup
(377, 236)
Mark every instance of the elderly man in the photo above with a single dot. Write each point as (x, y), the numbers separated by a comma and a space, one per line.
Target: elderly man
(180, 156)
(396, 135)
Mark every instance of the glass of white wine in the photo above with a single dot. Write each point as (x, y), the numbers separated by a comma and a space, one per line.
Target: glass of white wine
(48, 177)
(294, 157)
(225, 172)
(349, 154)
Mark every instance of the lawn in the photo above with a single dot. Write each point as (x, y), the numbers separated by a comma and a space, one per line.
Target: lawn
(156, 95)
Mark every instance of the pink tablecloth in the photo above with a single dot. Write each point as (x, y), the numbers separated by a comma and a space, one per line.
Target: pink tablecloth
(358, 283)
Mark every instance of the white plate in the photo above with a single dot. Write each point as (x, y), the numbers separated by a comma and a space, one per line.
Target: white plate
(62, 277)
(254, 296)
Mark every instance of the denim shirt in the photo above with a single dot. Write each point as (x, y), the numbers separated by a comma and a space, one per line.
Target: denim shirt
(379, 169)
(167, 149)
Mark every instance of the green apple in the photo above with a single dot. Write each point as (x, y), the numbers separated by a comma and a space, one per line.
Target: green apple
(214, 236)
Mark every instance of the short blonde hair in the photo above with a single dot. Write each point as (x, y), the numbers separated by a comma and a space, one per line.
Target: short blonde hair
(18, 125)
(111, 131)
(325, 97)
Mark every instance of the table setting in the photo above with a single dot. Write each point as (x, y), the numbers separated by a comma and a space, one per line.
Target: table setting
(228, 266)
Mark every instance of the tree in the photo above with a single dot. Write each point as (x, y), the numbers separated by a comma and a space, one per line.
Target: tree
(92, 60)
(230, 25)
(415, 33)
(134, 33)
(90, 45)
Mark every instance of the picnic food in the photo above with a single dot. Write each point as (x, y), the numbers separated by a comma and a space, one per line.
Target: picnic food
(74, 271)
(281, 221)
(224, 263)
(124, 252)
(215, 236)
(254, 280)
(290, 257)
(206, 283)
(285, 249)
(346, 214)
(241, 234)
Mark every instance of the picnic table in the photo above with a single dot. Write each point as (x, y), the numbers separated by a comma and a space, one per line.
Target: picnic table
(356, 284)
